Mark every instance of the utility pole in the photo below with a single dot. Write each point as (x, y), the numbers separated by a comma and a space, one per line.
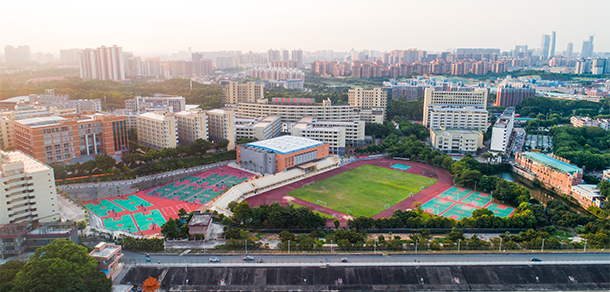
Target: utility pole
(542, 249)
(288, 246)
(585, 246)
(459, 241)
(500, 248)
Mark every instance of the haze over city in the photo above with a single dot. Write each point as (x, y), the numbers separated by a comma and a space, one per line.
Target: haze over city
(150, 28)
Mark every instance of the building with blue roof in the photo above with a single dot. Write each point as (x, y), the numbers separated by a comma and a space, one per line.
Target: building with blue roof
(554, 172)
(281, 153)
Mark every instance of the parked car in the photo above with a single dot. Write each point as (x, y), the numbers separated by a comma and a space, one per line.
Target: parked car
(535, 260)
(214, 259)
(247, 258)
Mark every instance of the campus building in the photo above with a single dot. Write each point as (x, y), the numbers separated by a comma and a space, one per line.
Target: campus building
(456, 141)
(157, 130)
(589, 122)
(554, 172)
(367, 98)
(502, 130)
(258, 128)
(192, 125)
(28, 190)
(337, 134)
(588, 195)
(55, 139)
(221, 126)
(280, 154)
(171, 103)
(105, 63)
(233, 92)
(453, 117)
(109, 259)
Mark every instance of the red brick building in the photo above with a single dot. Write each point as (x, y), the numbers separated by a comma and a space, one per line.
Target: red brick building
(60, 139)
(554, 172)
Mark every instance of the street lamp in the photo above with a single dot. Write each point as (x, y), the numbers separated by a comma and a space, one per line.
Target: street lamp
(542, 248)
(500, 248)
(288, 246)
(459, 242)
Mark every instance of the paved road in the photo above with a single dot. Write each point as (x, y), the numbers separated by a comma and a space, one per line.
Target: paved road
(137, 258)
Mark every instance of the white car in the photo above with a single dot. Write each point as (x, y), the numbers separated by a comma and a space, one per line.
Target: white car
(214, 259)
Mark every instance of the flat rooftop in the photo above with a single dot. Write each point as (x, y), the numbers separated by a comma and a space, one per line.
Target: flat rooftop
(285, 144)
(41, 121)
(104, 253)
(153, 115)
(552, 162)
(29, 164)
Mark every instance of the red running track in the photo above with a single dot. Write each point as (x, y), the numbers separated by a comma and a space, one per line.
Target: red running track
(445, 181)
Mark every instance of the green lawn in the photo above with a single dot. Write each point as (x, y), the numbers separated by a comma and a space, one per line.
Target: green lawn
(365, 190)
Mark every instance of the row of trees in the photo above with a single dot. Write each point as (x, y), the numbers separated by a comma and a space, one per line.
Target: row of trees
(532, 106)
(274, 215)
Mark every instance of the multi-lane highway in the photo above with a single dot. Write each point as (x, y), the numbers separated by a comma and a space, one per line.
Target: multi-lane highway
(297, 259)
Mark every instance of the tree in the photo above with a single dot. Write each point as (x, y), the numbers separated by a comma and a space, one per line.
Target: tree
(61, 266)
(170, 229)
(201, 146)
(222, 144)
(336, 223)
(8, 271)
(104, 162)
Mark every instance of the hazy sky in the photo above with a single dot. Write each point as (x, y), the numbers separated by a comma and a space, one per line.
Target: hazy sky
(152, 27)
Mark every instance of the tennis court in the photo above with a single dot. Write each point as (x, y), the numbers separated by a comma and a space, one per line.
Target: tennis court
(476, 199)
(459, 211)
(436, 206)
(103, 208)
(400, 166)
(150, 220)
(124, 223)
(454, 194)
(132, 203)
(500, 210)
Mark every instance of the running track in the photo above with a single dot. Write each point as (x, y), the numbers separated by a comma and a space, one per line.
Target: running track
(445, 181)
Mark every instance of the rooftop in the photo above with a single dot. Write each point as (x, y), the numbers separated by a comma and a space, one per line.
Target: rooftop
(107, 251)
(285, 144)
(552, 162)
(17, 99)
(41, 121)
(152, 115)
(455, 131)
(200, 219)
(29, 164)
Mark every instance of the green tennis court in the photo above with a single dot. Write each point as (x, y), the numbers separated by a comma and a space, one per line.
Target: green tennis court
(104, 207)
(125, 223)
(500, 210)
(436, 206)
(459, 211)
(145, 221)
(132, 203)
(476, 199)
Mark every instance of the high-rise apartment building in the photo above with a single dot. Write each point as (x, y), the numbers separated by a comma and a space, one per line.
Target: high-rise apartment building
(285, 55)
(545, 45)
(233, 92)
(502, 130)
(569, 50)
(509, 95)
(552, 51)
(221, 126)
(297, 55)
(54, 139)
(19, 55)
(157, 130)
(587, 48)
(28, 190)
(105, 63)
(70, 56)
(192, 125)
(366, 98)
(273, 55)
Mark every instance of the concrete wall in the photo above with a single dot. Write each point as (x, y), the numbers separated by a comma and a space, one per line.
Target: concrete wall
(259, 158)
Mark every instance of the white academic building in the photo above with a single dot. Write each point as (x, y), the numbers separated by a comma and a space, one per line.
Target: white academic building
(502, 130)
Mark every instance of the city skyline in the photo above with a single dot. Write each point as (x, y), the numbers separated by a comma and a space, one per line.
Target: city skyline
(311, 26)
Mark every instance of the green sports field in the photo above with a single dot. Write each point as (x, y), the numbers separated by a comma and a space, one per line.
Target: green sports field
(365, 191)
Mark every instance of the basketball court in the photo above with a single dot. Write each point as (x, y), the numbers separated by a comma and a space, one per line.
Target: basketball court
(437, 206)
(500, 210)
(132, 203)
(459, 211)
(103, 207)
(121, 223)
(151, 220)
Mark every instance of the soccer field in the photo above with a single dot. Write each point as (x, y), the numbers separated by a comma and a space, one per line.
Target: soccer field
(363, 191)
